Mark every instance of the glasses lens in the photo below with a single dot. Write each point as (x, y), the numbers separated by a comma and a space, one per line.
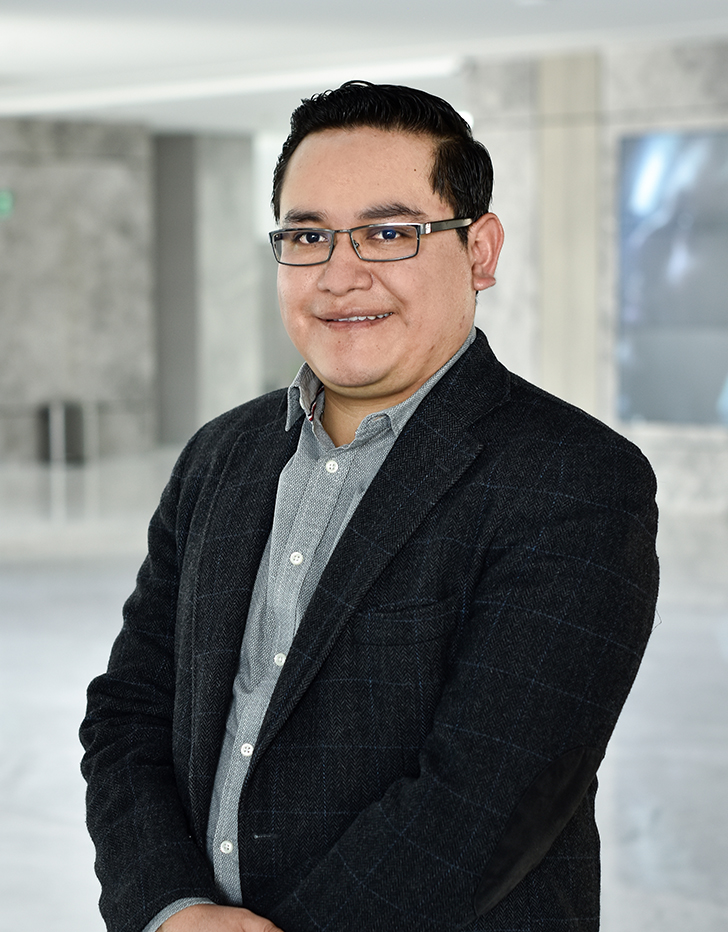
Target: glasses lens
(383, 243)
(301, 247)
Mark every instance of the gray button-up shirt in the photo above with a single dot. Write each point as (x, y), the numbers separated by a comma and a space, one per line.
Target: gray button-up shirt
(318, 492)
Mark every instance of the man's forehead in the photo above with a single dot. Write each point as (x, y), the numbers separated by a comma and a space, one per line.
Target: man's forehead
(373, 174)
(359, 136)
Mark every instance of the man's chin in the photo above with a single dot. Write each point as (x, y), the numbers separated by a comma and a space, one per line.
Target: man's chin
(354, 388)
(375, 393)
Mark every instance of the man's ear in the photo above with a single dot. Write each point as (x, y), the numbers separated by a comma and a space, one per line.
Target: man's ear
(485, 239)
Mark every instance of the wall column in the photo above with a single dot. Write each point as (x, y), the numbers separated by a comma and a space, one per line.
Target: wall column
(502, 96)
(210, 334)
(76, 310)
(569, 113)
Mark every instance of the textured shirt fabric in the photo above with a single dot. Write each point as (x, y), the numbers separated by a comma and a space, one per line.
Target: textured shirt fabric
(318, 491)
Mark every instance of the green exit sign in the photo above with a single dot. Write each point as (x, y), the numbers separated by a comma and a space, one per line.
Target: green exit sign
(7, 202)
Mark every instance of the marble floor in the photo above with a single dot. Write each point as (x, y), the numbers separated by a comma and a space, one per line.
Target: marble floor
(70, 544)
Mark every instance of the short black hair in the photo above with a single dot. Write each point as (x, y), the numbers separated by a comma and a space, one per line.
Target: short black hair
(462, 172)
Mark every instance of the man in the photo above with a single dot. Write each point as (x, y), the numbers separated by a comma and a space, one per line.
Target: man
(388, 617)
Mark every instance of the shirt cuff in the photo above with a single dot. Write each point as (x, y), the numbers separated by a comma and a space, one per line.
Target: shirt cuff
(170, 910)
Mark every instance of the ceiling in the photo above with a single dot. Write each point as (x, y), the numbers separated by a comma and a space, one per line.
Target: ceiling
(232, 66)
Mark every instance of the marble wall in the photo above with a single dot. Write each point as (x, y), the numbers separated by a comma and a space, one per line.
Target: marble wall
(76, 314)
(553, 125)
(150, 335)
(539, 118)
(569, 206)
(645, 88)
(503, 99)
(77, 307)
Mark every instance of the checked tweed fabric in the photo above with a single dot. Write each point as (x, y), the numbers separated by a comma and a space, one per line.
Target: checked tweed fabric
(427, 759)
(313, 505)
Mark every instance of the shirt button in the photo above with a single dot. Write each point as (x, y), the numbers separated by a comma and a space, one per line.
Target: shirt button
(332, 466)
(226, 847)
(279, 660)
(246, 750)
(296, 558)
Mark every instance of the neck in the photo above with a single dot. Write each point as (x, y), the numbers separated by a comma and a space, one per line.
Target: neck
(339, 423)
(343, 414)
(345, 408)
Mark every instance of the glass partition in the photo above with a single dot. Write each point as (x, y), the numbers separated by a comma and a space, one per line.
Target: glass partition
(673, 320)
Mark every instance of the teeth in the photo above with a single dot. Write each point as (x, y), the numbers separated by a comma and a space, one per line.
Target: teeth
(348, 319)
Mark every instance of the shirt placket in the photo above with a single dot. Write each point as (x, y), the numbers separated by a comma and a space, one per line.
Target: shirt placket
(290, 565)
(294, 561)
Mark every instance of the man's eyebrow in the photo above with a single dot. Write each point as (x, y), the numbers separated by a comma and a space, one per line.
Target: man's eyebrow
(388, 211)
(375, 212)
(303, 216)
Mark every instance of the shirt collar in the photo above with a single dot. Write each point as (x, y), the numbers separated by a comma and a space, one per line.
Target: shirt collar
(305, 394)
(302, 393)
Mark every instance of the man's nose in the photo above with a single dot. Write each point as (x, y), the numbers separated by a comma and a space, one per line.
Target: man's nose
(344, 271)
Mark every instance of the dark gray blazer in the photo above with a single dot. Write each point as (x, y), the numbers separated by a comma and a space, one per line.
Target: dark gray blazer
(427, 761)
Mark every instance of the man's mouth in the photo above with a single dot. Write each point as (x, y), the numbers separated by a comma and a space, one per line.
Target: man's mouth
(347, 320)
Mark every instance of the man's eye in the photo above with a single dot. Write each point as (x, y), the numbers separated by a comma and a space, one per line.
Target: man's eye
(391, 234)
(309, 238)
(387, 234)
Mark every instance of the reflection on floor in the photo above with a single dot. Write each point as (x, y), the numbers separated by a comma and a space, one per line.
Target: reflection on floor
(70, 543)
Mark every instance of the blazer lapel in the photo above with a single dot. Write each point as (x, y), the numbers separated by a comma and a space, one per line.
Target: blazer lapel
(432, 453)
(228, 555)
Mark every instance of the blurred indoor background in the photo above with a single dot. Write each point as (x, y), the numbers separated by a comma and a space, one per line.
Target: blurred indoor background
(137, 300)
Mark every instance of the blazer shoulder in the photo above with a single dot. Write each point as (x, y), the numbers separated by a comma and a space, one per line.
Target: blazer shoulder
(210, 446)
(543, 421)
(518, 421)
(246, 443)
(559, 416)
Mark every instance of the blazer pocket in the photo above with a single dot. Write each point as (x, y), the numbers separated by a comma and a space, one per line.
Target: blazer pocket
(406, 625)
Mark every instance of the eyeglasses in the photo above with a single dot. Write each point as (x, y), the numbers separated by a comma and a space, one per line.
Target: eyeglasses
(376, 242)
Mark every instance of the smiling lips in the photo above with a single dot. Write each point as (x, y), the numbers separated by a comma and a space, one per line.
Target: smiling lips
(348, 320)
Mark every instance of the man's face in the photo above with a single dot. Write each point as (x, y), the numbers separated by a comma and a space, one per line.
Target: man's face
(418, 310)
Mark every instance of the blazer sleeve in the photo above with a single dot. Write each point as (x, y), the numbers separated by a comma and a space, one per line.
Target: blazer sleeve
(548, 649)
(146, 856)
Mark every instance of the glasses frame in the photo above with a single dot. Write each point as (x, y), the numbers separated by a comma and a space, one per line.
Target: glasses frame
(422, 229)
